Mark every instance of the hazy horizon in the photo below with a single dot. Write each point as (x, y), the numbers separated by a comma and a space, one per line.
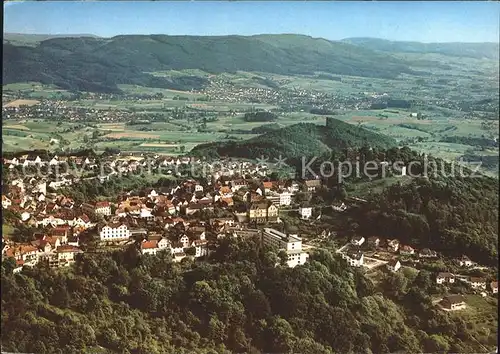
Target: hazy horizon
(425, 22)
(228, 35)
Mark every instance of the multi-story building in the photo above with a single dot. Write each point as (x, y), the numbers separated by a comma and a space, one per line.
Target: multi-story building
(114, 231)
(103, 208)
(478, 283)
(285, 198)
(291, 244)
(305, 212)
(154, 246)
(262, 212)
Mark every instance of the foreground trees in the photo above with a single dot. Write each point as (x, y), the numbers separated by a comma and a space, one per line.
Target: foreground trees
(126, 304)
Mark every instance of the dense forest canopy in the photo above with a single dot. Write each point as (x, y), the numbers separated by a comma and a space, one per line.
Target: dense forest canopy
(303, 139)
(237, 301)
(99, 64)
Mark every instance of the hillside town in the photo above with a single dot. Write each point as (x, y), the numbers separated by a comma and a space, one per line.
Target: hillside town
(187, 218)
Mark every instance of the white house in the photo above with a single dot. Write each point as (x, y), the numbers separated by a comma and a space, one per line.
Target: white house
(154, 246)
(103, 208)
(83, 221)
(494, 287)
(358, 240)
(285, 198)
(305, 212)
(354, 259)
(394, 265)
(6, 202)
(198, 188)
(478, 283)
(114, 231)
(200, 247)
(445, 278)
(465, 261)
(291, 244)
(295, 187)
(184, 240)
(25, 216)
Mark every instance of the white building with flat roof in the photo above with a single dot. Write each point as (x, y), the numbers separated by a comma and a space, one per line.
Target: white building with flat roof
(291, 244)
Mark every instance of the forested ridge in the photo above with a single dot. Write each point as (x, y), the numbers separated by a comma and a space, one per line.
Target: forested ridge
(297, 141)
(99, 64)
(237, 301)
(452, 215)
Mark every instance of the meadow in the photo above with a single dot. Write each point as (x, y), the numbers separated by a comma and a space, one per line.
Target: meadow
(453, 78)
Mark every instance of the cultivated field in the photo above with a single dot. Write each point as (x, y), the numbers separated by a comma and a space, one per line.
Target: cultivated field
(19, 103)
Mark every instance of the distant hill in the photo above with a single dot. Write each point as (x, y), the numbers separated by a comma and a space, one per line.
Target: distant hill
(99, 64)
(470, 50)
(295, 141)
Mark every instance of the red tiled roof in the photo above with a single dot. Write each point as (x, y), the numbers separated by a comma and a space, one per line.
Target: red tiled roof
(149, 244)
(104, 204)
(67, 249)
(85, 218)
(268, 185)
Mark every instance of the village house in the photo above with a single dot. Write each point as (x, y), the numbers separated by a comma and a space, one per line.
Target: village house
(312, 185)
(394, 265)
(294, 187)
(453, 302)
(154, 246)
(114, 231)
(392, 245)
(238, 184)
(285, 198)
(64, 256)
(201, 247)
(82, 221)
(357, 240)
(268, 187)
(354, 258)
(262, 212)
(305, 212)
(427, 253)
(445, 278)
(103, 208)
(494, 287)
(6, 202)
(477, 283)
(25, 253)
(406, 250)
(465, 261)
(26, 216)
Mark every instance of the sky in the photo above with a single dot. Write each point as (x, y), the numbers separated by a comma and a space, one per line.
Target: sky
(467, 21)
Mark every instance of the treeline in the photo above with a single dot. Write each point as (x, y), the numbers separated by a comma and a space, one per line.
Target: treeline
(260, 117)
(322, 112)
(473, 141)
(266, 128)
(297, 141)
(392, 104)
(236, 302)
(452, 215)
